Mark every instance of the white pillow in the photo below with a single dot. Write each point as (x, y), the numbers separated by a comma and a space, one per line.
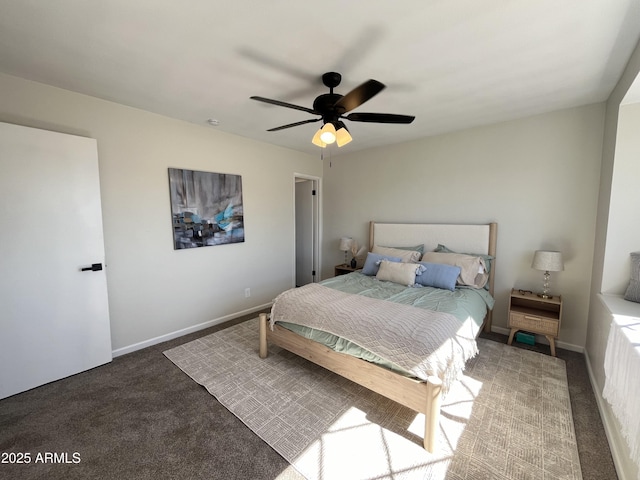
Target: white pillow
(402, 273)
(404, 255)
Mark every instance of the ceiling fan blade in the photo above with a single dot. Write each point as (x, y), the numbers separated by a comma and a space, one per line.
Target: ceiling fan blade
(284, 104)
(379, 117)
(358, 96)
(294, 124)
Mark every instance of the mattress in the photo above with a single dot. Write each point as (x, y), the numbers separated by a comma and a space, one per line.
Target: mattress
(463, 303)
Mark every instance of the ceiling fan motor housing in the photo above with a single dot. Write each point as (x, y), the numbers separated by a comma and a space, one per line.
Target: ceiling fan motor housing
(324, 105)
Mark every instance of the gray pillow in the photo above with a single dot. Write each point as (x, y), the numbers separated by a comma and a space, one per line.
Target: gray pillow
(633, 290)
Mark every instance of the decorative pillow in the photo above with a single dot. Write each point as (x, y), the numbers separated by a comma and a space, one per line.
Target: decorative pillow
(633, 290)
(438, 275)
(473, 272)
(405, 255)
(402, 273)
(372, 263)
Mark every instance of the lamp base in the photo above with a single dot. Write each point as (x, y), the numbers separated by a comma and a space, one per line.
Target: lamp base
(545, 287)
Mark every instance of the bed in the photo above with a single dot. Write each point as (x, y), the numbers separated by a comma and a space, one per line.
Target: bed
(413, 381)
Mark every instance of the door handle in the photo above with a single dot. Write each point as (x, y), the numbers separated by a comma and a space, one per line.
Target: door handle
(95, 267)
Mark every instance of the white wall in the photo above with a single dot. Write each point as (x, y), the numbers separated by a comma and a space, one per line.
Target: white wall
(537, 177)
(598, 320)
(155, 290)
(605, 261)
(623, 229)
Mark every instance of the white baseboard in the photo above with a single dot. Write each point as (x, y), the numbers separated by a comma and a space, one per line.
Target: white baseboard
(185, 331)
(542, 339)
(616, 442)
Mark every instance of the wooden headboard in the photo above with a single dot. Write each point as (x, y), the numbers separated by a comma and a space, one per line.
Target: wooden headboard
(480, 239)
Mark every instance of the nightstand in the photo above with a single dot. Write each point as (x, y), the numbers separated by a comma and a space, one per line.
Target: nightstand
(529, 312)
(343, 269)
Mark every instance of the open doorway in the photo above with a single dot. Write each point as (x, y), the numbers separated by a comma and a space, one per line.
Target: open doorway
(307, 229)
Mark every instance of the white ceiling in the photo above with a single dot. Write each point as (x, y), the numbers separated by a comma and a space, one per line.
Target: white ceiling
(453, 64)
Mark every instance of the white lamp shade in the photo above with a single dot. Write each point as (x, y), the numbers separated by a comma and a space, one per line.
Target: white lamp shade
(547, 261)
(345, 244)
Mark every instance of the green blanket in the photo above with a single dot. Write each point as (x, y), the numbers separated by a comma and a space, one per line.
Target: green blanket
(463, 303)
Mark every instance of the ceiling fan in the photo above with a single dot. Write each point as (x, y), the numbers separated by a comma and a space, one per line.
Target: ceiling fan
(332, 107)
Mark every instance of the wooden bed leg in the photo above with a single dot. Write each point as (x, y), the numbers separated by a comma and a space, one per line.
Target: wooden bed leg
(263, 335)
(488, 321)
(432, 414)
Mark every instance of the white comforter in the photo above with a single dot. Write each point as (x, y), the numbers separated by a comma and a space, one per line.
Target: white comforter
(419, 341)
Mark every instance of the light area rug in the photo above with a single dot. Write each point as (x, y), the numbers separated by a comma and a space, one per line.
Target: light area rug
(508, 418)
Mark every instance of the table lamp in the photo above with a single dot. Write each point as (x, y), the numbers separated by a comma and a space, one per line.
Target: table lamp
(345, 246)
(547, 261)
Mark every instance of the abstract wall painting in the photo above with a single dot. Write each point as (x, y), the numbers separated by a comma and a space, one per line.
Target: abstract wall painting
(206, 208)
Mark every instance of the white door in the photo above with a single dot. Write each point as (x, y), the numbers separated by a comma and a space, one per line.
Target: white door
(305, 220)
(54, 317)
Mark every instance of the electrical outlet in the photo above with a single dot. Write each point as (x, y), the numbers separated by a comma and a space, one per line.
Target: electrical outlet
(247, 292)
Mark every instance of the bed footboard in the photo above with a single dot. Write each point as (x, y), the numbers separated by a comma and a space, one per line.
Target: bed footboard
(423, 397)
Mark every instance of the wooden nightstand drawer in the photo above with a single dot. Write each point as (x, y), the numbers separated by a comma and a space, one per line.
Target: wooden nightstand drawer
(533, 323)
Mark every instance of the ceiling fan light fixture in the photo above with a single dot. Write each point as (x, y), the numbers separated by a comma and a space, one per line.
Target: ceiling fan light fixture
(328, 133)
(342, 135)
(316, 139)
(330, 107)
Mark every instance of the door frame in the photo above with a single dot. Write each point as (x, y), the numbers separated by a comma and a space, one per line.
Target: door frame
(317, 225)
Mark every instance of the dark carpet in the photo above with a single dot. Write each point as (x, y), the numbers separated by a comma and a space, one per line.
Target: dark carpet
(141, 417)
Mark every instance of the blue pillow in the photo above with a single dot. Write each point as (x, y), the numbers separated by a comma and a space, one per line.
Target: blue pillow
(372, 263)
(438, 275)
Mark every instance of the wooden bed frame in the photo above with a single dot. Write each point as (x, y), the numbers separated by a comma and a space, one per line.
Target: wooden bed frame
(423, 397)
